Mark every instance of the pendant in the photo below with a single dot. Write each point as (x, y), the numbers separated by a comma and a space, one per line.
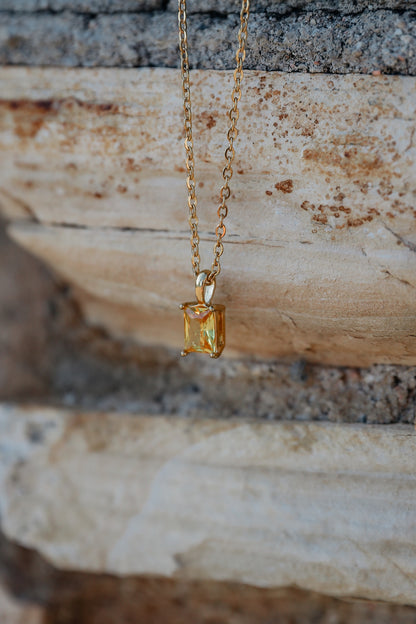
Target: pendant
(204, 323)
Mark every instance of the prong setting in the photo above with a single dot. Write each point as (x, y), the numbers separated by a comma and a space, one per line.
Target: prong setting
(204, 327)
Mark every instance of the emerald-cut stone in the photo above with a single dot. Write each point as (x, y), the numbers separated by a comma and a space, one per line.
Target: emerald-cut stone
(204, 328)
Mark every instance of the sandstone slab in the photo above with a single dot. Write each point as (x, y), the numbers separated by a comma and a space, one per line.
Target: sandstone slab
(321, 231)
(325, 507)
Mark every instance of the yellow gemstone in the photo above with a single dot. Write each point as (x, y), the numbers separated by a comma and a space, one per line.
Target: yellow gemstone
(204, 328)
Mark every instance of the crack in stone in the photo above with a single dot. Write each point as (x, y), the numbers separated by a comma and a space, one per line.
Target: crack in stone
(412, 134)
(404, 241)
(399, 279)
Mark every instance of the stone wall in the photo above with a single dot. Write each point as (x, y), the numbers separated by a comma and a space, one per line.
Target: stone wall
(307, 36)
(50, 596)
(48, 354)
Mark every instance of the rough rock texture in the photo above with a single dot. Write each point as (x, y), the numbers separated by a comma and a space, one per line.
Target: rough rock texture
(77, 598)
(380, 394)
(222, 7)
(244, 501)
(47, 351)
(160, 382)
(318, 36)
(320, 256)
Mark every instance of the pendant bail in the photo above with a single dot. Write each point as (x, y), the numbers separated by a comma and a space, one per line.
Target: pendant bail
(204, 290)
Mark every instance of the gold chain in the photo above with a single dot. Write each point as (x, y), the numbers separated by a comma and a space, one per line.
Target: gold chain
(232, 134)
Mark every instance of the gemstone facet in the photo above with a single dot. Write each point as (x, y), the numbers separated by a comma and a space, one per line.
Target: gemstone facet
(204, 328)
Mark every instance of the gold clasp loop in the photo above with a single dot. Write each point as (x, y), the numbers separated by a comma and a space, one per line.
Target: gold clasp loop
(204, 290)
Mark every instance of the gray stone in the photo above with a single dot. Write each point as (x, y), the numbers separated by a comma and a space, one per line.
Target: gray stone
(204, 6)
(275, 7)
(309, 41)
(48, 353)
(81, 6)
(154, 381)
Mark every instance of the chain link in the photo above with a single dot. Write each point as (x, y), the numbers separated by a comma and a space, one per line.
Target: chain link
(233, 114)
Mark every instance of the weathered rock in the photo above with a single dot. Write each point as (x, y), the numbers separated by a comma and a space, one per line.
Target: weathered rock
(204, 6)
(47, 351)
(314, 41)
(106, 375)
(269, 504)
(82, 598)
(275, 7)
(91, 6)
(320, 249)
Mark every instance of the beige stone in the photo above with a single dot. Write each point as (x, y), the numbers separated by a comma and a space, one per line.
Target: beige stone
(324, 507)
(320, 249)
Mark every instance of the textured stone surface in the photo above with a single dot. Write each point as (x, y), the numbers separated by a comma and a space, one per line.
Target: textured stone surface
(314, 39)
(88, 6)
(45, 348)
(47, 351)
(201, 6)
(82, 598)
(321, 234)
(268, 504)
(117, 376)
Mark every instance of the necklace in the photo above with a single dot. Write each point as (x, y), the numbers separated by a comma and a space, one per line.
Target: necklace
(205, 322)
